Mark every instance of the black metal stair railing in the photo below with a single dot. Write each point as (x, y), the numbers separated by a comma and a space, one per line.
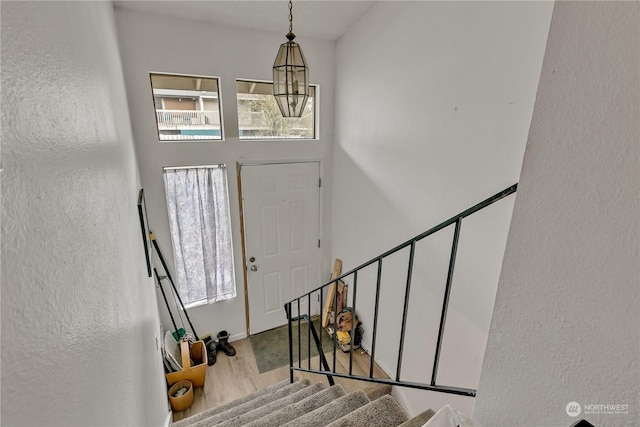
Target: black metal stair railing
(324, 368)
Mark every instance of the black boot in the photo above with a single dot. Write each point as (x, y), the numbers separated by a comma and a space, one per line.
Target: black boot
(223, 344)
(212, 350)
(212, 353)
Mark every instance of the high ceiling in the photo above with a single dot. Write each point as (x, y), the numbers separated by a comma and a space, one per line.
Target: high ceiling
(315, 19)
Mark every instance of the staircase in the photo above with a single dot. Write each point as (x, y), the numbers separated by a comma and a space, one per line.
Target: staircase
(302, 404)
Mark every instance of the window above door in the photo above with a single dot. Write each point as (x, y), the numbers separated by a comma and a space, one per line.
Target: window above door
(260, 118)
(187, 108)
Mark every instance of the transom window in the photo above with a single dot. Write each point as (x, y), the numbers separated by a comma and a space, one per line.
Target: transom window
(187, 107)
(260, 118)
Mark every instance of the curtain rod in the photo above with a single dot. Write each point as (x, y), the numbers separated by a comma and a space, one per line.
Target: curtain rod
(194, 167)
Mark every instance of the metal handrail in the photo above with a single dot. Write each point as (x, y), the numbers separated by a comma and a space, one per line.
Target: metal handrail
(324, 368)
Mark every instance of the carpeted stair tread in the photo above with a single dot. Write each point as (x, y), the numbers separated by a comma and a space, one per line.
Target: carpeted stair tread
(378, 392)
(298, 409)
(206, 414)
(382, 412)
(331, 411)
(419, 420)
(258, 402)
(263, 410)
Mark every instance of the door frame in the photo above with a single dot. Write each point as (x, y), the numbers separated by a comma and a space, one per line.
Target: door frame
(239, 166)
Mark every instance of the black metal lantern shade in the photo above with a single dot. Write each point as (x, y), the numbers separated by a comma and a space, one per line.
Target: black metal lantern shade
(290, 79)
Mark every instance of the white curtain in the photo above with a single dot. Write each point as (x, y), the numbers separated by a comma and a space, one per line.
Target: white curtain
(198, 205)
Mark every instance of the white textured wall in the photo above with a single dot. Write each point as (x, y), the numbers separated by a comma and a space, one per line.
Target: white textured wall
(433, 104)
(79, 318)
(565, 326)
(155, 43)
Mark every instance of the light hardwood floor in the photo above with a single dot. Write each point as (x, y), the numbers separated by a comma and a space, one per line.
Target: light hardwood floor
(234, 377)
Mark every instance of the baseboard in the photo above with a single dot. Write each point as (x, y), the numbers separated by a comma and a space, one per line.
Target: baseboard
(237, 337)
(169, 420)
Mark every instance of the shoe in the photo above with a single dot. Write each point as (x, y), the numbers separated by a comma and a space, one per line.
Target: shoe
(211, 349)
(206, 339)
(223, 344)
(212, 352)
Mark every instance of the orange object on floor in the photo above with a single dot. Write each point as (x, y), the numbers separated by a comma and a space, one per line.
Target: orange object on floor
(184, 402)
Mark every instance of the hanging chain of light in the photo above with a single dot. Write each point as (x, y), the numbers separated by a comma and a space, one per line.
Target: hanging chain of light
(290, 17)
(290, 75)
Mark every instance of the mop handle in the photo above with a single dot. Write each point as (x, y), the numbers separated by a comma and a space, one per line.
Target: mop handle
(164, 265)
(155, 272)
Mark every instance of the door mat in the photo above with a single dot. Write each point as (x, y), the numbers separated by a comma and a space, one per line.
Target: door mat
(271, 348)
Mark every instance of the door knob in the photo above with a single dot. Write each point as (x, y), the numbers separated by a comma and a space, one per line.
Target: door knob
(254, 268)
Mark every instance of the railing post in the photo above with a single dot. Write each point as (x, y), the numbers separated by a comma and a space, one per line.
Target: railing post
(445, 303)
(406, 309)
(320, 348)
(335, 323)
(353, 321)
(287, 309)
(309, 331)
(375, 318)
(299, 343)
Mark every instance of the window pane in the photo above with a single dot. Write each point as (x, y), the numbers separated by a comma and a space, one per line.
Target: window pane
(187, 107)
(259, 116)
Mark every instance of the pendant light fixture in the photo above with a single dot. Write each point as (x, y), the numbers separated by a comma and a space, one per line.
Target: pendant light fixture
(290, 75)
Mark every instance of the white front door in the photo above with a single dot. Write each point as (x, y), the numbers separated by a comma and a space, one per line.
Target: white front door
(280, 205)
